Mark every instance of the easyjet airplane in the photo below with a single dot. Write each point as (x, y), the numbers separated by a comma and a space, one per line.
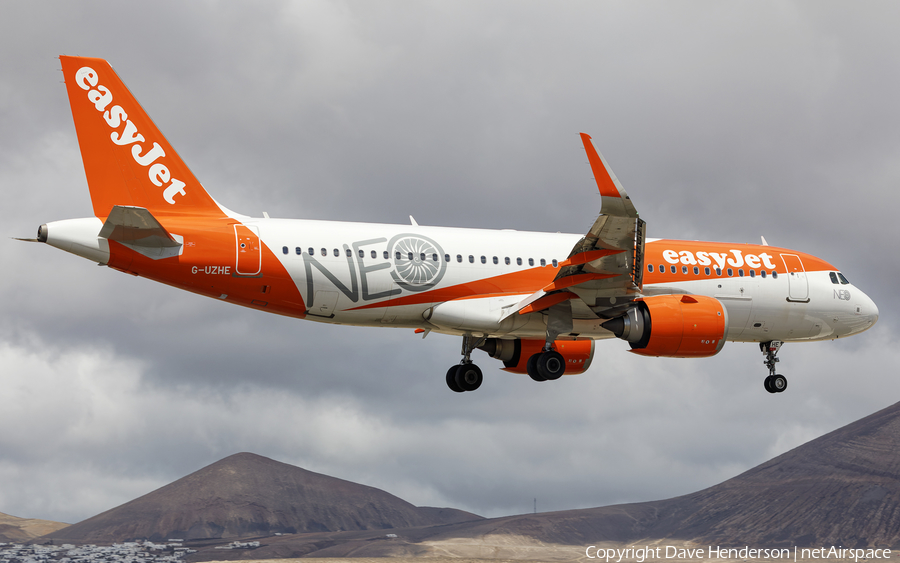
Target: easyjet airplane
(535, 301)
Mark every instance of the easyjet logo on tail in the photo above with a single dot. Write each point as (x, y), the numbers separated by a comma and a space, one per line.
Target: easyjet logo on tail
(99, 95)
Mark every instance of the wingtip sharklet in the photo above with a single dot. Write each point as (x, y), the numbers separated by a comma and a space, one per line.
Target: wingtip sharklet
(607, 183)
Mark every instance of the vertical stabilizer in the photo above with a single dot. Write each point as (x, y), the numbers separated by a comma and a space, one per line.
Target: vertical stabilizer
(127, 160)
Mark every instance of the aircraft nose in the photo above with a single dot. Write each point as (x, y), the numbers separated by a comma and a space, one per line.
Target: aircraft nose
(867, 310)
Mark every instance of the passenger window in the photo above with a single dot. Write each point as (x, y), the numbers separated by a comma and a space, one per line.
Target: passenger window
(555, 263)
(337, 252)
(484, 260)
(649, 267)
(762, 273)
(459, 258)
(471, 259)
(684, 269)
(409, 256)
(506, 260)
(397, 255)
(297, 250)
(730, 272)
(496, 261)
(718, 271)
(775, 275)
(843, 279)
(284, 249)
(696, 270)
(752, 273)
(674, 271)
(312, 251)
(741, 272)
(543, 262)
(531, 261)
(375, 255)
(706, 270)
(446, 257)
(362, 253)
(386, 255)
(434, 258)
(518, 261)
(324, 252)
(348, 252)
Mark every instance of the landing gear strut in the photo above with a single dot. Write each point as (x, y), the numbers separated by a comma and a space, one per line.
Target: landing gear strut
(774, 383)
(466, 376)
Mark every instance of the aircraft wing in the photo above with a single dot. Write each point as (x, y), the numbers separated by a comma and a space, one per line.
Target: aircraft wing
(605, 268)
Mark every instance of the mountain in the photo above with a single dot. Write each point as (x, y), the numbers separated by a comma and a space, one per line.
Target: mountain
(840, 489)
(15, 529)
(249, 495)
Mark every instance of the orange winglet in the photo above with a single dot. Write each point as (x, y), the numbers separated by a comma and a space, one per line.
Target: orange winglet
(547, 301)
(589, 256)
(604, 182)
(569, 281)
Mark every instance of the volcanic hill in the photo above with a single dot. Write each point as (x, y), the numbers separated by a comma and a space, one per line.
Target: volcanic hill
(840, 489)
(15, 529)
(249, 495)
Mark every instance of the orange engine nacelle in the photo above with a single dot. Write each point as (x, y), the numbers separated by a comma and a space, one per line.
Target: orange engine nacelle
(515, 353)
(675, 326)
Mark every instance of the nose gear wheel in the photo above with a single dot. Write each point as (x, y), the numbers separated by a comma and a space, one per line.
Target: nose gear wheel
(774, 382)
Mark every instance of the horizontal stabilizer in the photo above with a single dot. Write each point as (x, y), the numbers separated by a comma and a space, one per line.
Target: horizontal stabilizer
(138, 229)
(135, 226)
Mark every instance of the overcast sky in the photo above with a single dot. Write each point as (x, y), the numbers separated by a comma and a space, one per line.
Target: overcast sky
(723, 120)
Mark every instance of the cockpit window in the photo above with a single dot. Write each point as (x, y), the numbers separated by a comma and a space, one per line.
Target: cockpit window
(843, 279)
(834, 279)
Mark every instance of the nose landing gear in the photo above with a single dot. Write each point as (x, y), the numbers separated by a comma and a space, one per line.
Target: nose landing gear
(774, 382)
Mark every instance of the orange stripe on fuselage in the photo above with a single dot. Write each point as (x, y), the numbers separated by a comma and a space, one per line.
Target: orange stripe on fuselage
(515, 283)
(207, 266)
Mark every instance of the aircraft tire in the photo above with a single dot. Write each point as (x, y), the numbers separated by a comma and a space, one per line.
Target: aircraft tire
(451, 379)
(779, 383)
(468, 377)
(551, 365)
(531, 368)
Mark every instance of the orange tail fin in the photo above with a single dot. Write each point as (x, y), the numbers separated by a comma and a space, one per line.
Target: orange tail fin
(127, 160)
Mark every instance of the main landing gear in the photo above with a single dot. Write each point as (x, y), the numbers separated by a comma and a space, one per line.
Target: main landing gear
(466, 376)
(548, 365)
(774, 383)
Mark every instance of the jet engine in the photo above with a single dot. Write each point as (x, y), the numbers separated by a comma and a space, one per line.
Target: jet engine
(515, 353)
(675, 326)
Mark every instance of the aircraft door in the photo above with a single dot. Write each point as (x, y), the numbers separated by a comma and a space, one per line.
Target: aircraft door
(248, 257)
(798, 285)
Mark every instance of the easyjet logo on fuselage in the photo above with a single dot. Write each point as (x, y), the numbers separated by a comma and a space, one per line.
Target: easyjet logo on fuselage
(158, 173)
(735, 259)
